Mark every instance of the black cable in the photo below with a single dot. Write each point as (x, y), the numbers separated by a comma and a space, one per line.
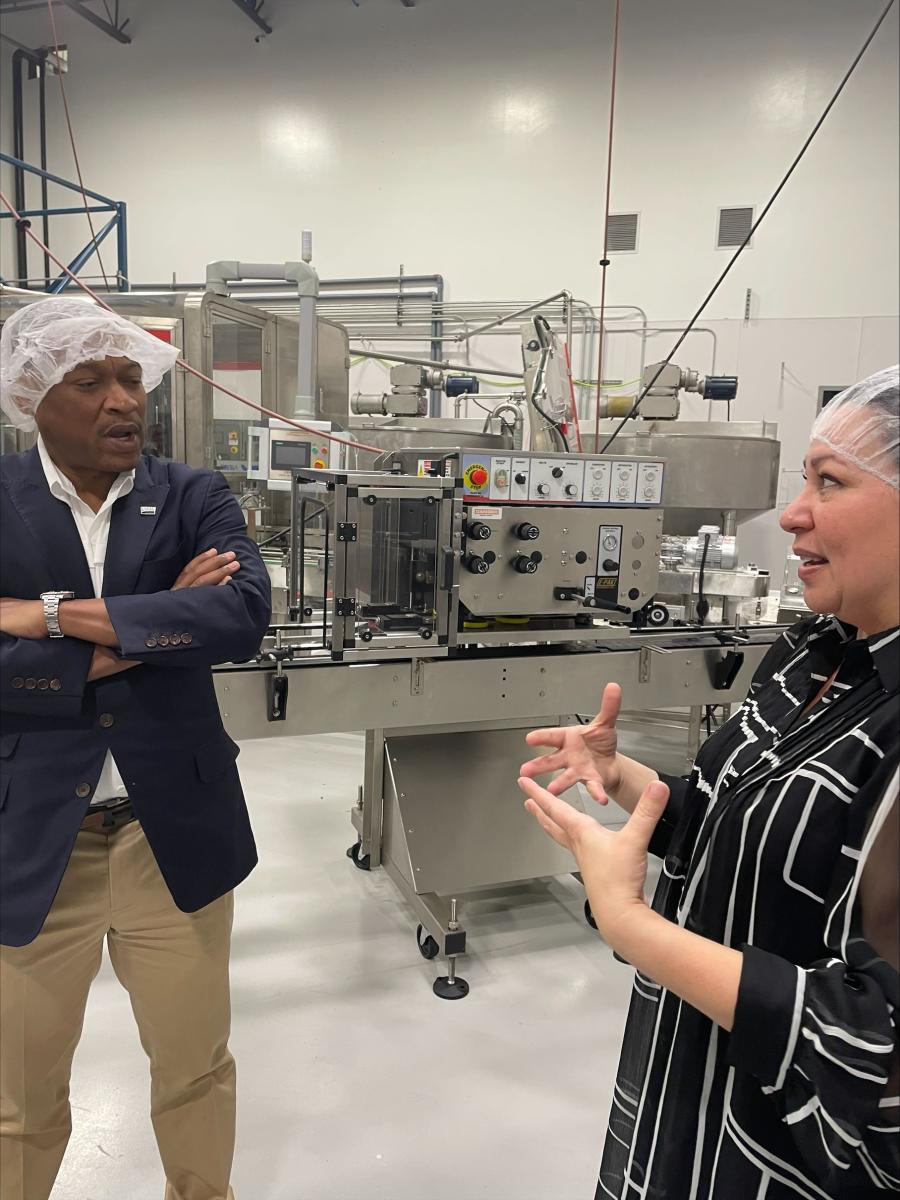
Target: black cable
(756, 224)
(702, 602)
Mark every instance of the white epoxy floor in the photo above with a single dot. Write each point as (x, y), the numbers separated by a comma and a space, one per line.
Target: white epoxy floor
(354, 1080)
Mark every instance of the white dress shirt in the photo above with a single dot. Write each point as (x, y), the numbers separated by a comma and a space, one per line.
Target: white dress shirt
(93, 529)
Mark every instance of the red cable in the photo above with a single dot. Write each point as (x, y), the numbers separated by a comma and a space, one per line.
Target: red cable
(330, 437)
(604, 264)
(62, 89)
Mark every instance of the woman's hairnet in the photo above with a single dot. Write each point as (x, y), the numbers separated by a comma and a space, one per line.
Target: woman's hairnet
(43, 341)
(862, 424)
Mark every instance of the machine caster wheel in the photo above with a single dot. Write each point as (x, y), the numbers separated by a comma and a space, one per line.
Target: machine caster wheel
(588, 915)
(361, 861)
(428, 947)
(450, 990)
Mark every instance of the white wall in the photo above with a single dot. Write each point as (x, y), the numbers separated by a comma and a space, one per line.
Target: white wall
(468, 137)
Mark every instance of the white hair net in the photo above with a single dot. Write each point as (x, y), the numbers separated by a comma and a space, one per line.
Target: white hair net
(43, 341)
(862, 424)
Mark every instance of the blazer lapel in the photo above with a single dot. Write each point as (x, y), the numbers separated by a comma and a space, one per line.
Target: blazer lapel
(133, 520)
(53, 528)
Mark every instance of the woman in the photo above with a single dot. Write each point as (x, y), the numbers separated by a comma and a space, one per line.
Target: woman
(760, 1054)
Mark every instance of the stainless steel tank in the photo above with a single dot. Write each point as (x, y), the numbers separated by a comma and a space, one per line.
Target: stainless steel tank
(713, 468)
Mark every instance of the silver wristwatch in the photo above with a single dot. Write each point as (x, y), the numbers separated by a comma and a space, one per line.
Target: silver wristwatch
(51, 610)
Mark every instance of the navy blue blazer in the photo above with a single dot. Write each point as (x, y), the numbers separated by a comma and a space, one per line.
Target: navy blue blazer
(160, 719)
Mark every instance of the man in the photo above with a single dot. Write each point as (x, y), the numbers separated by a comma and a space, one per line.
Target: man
(123, 579)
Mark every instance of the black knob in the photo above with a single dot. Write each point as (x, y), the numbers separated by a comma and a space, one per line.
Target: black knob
(524, 564)
(557, 472)
(476, 564)
(610, 564)
(521, 478)
(581, 557)
(527, 532)
(479, 531)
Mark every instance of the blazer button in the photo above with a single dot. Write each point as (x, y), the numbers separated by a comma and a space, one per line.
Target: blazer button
(55, 685)
(30, 684)
(150, 643)
(162, 640)
(107, 719)
(43, 684)
(175, 639)
(83, 791)
(186, 639)
(18, 682)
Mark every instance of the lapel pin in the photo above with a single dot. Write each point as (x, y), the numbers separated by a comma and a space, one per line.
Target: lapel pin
(148, 510)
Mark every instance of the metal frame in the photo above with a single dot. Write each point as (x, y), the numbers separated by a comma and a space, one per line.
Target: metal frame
(347, 496)
(397, 702)
(253, 10)
(110, 25)
(117, 222)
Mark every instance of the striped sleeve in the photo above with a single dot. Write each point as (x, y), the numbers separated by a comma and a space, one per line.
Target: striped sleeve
(823, 1040)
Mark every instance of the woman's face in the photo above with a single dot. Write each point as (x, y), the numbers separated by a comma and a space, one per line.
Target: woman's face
(846, 527)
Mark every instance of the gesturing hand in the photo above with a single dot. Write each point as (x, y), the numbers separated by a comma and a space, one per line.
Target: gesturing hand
(583, 753)
(208, 570)
(612, 865)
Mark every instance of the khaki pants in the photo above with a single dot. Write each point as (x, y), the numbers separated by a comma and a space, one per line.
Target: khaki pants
(174, 966)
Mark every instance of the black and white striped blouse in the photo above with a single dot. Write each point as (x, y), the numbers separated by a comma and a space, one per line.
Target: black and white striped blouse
(783, 843)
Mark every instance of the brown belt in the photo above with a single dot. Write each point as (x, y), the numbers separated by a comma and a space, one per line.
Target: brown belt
(108, 820)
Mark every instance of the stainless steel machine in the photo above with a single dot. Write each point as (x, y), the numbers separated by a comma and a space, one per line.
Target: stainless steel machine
(447, 603)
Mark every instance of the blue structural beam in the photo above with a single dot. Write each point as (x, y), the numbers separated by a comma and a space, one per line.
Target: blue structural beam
(62, 281)
(105, 204)
(62, 212)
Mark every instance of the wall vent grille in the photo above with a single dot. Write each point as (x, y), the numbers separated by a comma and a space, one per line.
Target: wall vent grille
(734, 226)
(621, 232)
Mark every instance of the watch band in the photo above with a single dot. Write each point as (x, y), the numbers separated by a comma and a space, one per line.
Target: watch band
(51, 610)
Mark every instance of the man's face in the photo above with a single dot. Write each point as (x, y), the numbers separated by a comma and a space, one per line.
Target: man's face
(93, 420)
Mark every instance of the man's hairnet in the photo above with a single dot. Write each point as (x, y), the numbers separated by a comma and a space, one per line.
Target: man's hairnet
(862, 424)
(43, 341)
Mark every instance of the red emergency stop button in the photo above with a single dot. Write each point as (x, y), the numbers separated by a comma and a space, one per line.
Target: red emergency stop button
(478, 477)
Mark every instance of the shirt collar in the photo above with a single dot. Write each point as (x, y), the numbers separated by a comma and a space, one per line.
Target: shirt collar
(63, 489)
(884, 649)
(859, 656)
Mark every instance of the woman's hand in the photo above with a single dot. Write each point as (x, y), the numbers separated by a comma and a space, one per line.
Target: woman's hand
(612, 865)
(583, 753)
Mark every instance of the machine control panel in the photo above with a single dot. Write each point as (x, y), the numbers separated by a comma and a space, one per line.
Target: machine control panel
(277, 448)
(562, 479)
(536, 560)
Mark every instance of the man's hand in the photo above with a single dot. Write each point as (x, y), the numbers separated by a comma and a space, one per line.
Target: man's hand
(208, 570)
(23, 618)
(104, 663)
(612, 865)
